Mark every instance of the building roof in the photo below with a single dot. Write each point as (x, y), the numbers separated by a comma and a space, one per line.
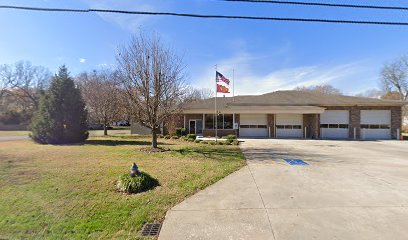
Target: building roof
(288, 98)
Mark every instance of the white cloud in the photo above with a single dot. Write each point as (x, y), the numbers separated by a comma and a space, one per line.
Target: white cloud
(82, 60)
(131, 23)
(249, 81)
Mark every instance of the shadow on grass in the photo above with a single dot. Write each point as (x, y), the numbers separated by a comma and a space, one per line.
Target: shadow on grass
(211, 152)
(113, 142)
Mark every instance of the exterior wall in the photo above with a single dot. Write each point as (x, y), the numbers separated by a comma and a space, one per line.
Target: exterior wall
(312, 124)
(271, 125)
(189, 117)
(220, 132)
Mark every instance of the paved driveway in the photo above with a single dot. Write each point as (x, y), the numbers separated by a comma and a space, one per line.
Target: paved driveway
(349, 190)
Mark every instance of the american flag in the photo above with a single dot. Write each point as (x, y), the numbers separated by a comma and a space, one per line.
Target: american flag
(221, 78)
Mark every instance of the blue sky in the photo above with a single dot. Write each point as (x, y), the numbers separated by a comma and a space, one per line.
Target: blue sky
(266, 56)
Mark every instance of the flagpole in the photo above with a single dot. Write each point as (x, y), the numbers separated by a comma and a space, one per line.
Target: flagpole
(233, 85)
(215, 115)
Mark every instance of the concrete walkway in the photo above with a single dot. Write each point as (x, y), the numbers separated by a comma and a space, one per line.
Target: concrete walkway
(349, 190)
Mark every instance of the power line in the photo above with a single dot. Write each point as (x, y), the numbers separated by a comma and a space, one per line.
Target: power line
(206, 16)
(322, 4)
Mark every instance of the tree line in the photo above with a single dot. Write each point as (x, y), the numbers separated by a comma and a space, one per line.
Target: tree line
(147, 87)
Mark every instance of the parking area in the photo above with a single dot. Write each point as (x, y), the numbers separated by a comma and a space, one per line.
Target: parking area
(348, 190)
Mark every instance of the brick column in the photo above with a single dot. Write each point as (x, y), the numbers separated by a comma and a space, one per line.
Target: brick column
(271, 120)
(354, 122)
(396, 120)
(311, 122)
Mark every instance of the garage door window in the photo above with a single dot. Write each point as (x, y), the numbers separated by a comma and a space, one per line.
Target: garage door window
(289, 126)
(334, 125)
(253, 126)
(375, 126)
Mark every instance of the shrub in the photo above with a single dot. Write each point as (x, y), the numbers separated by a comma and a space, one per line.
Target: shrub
(190, 140)
(191, 136)
(212, 143)
(230, 137)
(137, 184)
(197, 141)
(167, 137)
(175, 137)
(204, 142)
(220, 143)
(235, 142)
(184, 138)
(181, 132)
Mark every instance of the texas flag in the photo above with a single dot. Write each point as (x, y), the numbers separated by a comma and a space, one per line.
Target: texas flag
(222, 83)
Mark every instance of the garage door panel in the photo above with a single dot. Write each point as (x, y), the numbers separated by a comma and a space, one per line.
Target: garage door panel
(334, 124)
(289, 119)
(375, 117)
(335, 133)
(335, 116)
(253, 125)
(375, 124)
(375, 134)
(253, 119)
(289, 133)
(253, 132)
(289, 125)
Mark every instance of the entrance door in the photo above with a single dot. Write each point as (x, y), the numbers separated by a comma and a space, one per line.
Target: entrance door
(192, 127)
(196, 126)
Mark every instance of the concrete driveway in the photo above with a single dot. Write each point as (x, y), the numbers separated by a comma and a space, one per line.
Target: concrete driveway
(349, 190)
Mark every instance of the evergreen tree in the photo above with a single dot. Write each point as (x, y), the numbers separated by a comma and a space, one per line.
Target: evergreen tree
(61, 116)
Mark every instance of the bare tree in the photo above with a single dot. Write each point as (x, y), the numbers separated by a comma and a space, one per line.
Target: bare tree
(325, 89)
(24, 81)
(102, 96)
(152, 76)
(193, 94)
(371, 93)
(394, 77)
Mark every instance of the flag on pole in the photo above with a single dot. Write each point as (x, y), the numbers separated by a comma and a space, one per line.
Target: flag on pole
(222, 83)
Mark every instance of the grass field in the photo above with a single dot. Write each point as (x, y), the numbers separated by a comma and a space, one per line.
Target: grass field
(13, 133)
(65, 192)
(91, 132)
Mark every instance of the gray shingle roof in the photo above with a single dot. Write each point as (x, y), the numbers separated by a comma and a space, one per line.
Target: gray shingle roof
(291, 98)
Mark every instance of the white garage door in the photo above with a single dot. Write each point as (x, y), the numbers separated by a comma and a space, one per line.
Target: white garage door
(289, 125)
(253, 125)
(334, 124)
(376, 124)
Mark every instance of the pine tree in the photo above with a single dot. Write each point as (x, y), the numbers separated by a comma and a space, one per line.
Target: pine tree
(61, 116)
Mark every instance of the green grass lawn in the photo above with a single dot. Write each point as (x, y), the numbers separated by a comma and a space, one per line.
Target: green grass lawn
(65, 192)
(13, 133)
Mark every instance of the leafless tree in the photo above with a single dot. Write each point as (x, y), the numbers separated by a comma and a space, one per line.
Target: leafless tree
(371, 93)
(24, 81)
(394, 77)
(102, 95)
(153, 78)
(193, 94)
(325, 89)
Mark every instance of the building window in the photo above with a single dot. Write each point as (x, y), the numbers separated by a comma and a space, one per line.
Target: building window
(209, 121)
(224, 121)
